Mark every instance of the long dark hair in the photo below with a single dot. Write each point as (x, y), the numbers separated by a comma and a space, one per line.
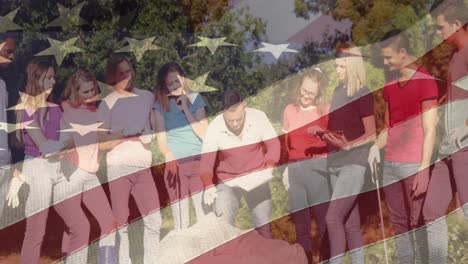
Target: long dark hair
(161, 91)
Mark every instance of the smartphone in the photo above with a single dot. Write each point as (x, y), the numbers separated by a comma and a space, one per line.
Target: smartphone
(335, 133)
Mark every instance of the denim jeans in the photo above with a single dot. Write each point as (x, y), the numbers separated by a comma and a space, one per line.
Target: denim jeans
(309, 191)
(404, 209)
(343, 220)
(259, 201)
(447, 176)
(139, 183)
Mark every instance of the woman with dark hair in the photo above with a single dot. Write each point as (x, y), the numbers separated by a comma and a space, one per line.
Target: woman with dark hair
(180, 123)
(307, 168)
(42, 171)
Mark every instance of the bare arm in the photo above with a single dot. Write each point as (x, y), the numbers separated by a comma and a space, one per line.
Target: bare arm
(429, 119)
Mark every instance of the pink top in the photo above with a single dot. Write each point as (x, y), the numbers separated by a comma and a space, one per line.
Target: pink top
(84, 125)
(296, 122)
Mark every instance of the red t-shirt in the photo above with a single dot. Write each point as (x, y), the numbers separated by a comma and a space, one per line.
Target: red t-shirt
(296, 122)
(406, 135)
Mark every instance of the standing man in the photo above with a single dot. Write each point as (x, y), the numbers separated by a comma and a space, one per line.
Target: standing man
(246, 146)
(411, 119)
(7, 55)
(127, 109)
(449, 174)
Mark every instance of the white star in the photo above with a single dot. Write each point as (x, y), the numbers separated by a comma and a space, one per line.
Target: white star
(2, 59)
(60, 49)
(139, 47)
(8, 127)
(68, 17)
(462, 83)
(211, 43)
(6, 22)
(198, 85)
(32, 103)
(83, 130)
(275, 50)
(110, 94)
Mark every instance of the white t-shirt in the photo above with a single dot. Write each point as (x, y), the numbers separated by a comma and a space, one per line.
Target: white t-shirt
(132, 114)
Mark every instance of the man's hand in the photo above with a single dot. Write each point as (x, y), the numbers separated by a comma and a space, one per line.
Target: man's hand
(286, 179)
(421, 182)
(12, 195)
(209, 195)
(457, 134)
(374, 156)
(269, 163)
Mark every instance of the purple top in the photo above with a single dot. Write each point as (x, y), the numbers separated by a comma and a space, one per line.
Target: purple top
(51, 129)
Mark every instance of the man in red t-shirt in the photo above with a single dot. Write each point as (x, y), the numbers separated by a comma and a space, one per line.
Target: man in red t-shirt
(411, 118)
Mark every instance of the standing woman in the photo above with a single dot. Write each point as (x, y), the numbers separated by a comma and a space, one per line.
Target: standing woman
(307, 169)
(180, 123)
(43, 175)
(351, 125)
(80, 110)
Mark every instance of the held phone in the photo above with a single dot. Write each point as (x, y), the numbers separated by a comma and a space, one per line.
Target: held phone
(338, 134)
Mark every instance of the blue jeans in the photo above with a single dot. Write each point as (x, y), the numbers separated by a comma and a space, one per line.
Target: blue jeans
(259, 201)
(343, 221)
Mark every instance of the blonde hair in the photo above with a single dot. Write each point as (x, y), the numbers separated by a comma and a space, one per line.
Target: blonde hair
(320, 99)
(73, 85)
(35, 70)
(355, 72)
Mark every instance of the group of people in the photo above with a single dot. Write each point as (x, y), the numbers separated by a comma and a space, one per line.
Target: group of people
(330, 146)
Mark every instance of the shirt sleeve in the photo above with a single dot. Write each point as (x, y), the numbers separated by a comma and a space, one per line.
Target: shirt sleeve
(366, 103)
(428, 89)
(104, 115)
(209, 151)
(198, 103)
(286, 119)
(270, 139)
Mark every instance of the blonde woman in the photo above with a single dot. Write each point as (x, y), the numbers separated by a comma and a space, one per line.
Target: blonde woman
(351, 125)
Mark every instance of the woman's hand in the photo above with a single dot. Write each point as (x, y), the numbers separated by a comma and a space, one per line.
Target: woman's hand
(313, 130)
(337, 140)
(171, 170)
(183, 103)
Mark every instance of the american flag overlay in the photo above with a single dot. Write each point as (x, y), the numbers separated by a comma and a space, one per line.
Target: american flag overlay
(233, 131)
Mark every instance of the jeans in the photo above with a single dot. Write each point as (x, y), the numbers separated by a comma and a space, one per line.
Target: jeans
(343, 220)
(309, 191)
(404, 209)
(139, 183)
(447, 176)
(48, 186)
(259, 202)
